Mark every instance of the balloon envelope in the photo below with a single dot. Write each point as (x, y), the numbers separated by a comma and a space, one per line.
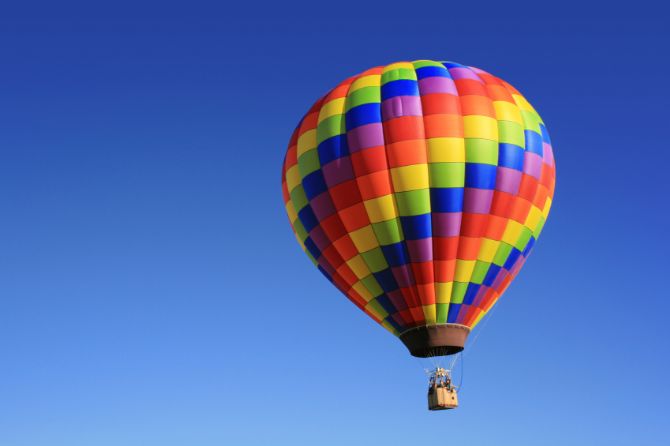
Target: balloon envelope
(419, 189)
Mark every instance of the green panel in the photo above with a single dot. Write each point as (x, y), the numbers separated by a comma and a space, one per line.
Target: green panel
(447, 174)
(523, 239)
(308, 162)
(482, 151)
(538, 229)
(298, 198)
(330, 127)
(373, 287)
(365, 95)
(426, 63)
(300, 230)
(511, 133)
(398, 73)
(531, 120)
(413, 202)
(501, 255)
(378, 308)
(388, 232)
(442, 312)
(458, 292)
(375, 260)
(479, 272)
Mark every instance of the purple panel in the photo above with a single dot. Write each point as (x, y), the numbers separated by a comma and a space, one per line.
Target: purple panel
(397, 299)
(398, 106)
(477, 201)
(446, 224)
(338, 171)
(322, 205)
(319, 238)
(464, 73)
(403, 276)
(479, 297)
(437, 84)
(548, 154)
(508, 180)
(365, 136)
(532, 164)
(420, 250)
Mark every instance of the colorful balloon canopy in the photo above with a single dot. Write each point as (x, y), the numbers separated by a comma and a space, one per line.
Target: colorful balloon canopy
(419, 189)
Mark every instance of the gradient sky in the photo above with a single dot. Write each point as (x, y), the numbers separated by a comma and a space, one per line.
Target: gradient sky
(151, 290)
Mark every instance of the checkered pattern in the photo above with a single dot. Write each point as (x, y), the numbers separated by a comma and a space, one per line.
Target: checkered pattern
(419, 189)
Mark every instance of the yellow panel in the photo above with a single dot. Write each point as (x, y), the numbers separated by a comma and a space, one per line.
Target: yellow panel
(547, 206)
(522, 102)
(290, 210)
(484, 127)
(332, 108)
(488, 249)
(292, 177)
(506, 111)
(364, 239)
(381, 209)
(358, 266)
(390, 328)
(307, 141)
(533, 218)
(363, 291)
(376, 309)
(430, 314)
(399, 65)
(464, 270)
(410, 177)
(443, 292)
(512, 232)
(372, 80)
(446, 150)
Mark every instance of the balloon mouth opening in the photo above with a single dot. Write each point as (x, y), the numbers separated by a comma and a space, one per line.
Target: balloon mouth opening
(435, 340)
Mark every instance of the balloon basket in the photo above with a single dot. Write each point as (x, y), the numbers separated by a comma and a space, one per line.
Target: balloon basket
(442, 394)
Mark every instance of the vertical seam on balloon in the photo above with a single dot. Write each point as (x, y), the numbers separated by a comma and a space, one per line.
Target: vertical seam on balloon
(460, 223)
(412, 288)
(430, 204)
(385, 292)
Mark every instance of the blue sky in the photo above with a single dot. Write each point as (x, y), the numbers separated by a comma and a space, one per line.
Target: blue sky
(151, 290)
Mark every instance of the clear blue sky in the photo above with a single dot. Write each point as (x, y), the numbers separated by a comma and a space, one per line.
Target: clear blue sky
(151, 290)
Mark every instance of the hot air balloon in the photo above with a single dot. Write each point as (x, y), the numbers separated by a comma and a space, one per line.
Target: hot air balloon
(419, 189)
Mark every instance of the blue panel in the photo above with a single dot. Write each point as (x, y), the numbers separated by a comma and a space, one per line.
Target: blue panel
(424, 72)
(453, 65)
(510, 155)
(529, 246)
(325, 273)
(394, 324)
(386, 304)
(314, 184)
(307, 218)
(534, 142)
(402, 87)
(364, 114)
(470, 293)
(416, 226)
(453, 313)
(386, 280)
(513, 255)
(491, 274)
(545, 134)
(312, 248)
(395, 254)
(333, 148)
(480, 176)
(447, 199)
